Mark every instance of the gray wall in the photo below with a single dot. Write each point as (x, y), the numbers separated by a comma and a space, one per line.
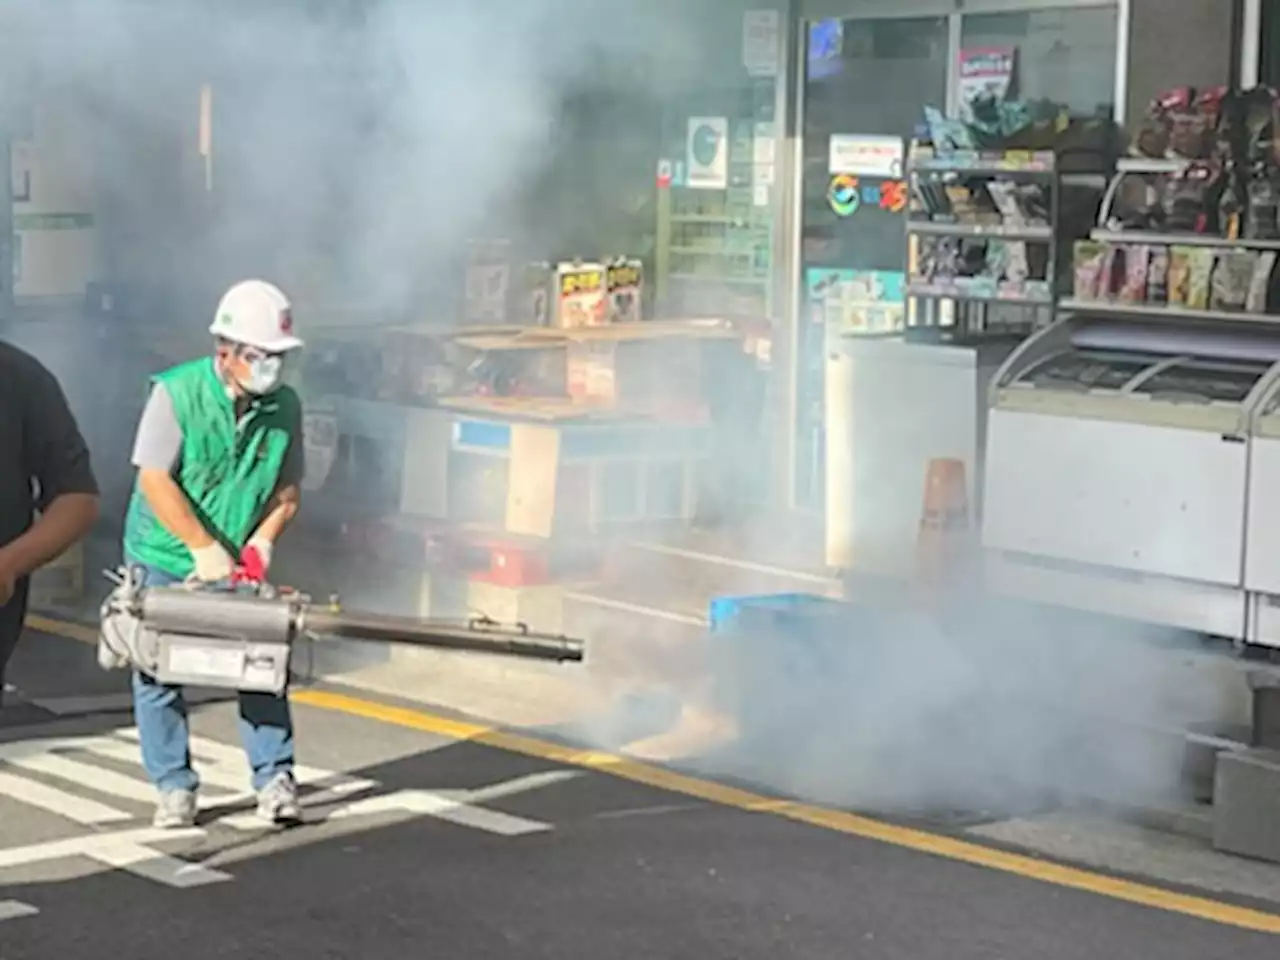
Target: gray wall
(1175, 43)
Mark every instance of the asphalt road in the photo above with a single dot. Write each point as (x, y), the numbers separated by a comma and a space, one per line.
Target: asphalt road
(419, 843)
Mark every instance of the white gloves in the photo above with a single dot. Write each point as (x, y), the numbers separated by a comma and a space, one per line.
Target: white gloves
(213, 563)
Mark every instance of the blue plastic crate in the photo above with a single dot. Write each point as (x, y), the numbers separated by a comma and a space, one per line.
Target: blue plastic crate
(776, 658)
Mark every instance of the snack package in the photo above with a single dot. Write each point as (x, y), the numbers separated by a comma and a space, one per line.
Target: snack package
(1232, 279)
(1152, 139)
(1192, 122)
(1260, 283)
(582, 300)
(624, 283)
(1262, 212)
(1158, 276)
(1179, 275)
(1112, 273)
(1199, 274)
(997, 259)
(1187, 198)
(1133, 282)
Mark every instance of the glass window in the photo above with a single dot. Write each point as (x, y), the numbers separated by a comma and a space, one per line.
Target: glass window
(1066, 56)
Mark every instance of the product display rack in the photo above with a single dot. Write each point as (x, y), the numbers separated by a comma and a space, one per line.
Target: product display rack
(1170, 308)
(715, 245)
(960, 306)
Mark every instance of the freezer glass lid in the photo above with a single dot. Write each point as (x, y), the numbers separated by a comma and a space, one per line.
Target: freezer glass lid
(1206, 381)
(1086, 369)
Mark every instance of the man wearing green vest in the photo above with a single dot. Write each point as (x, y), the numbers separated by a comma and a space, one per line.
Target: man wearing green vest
(220, 460)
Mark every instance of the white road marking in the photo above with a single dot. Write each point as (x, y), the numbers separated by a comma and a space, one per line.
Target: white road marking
(87, 775)
(70, 761)
(59, 802)
(89, 845)
(234, 783)
(143, 861)
(16, 910)
(533, 781)
(425, 803)
(227, 756)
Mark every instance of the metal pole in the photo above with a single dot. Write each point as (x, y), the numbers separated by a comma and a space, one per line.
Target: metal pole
(7, 239)
(1250, 44)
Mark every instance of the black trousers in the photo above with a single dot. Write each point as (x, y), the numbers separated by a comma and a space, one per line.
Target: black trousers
(12, 614)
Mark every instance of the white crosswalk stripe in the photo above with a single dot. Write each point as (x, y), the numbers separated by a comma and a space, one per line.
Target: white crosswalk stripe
(16, 910)
(82, 779)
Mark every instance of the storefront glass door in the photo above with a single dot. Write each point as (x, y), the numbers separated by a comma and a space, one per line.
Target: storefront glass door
(866, 83)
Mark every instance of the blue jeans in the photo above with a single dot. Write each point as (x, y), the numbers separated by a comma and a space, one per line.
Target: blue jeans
(266, 727)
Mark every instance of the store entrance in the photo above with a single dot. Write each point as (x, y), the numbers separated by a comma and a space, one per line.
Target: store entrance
(866, 83)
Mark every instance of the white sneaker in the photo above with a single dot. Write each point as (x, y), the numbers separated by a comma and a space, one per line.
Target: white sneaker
(176, 809)
(278, 801)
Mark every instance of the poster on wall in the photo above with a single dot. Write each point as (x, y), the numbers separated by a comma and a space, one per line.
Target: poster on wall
(856, 302)
(985, 72)
(866, 156)
(761, 42)
(707, 153)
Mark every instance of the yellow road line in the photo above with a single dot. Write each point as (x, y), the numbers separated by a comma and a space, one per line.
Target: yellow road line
(950, 848)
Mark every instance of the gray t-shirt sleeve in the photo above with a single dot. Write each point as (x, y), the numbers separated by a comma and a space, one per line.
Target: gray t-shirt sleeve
(158, 444)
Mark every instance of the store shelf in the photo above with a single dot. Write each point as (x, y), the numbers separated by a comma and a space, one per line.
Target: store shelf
(933, 292)
(1162, 312)
(938, 228)
(1152, 165)
(1179, 239)
(717, 219)
(716, 278)
(1028, 164)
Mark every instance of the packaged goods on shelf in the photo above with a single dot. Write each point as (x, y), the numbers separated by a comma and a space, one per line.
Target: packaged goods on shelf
(1210, 164)
(624, 282)
(1223, 280)
(582, 299)
(980, 268)
(1089, 260)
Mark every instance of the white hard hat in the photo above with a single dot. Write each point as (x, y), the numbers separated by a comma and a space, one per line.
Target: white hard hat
(257, 314)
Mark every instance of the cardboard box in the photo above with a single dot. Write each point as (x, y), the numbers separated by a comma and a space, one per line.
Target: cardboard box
(624, 282)
(582, 299)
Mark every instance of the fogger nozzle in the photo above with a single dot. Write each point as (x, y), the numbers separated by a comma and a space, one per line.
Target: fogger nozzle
(480, 635)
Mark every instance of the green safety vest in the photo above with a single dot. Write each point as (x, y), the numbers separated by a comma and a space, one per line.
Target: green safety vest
(228, 470)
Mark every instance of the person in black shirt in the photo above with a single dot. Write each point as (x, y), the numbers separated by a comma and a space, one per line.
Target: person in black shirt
(44, 467)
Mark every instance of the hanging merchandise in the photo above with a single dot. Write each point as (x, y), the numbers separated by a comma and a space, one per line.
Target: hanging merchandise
(1223, 152)
(986, 77)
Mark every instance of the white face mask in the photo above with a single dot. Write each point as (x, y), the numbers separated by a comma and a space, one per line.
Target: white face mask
(264, 375)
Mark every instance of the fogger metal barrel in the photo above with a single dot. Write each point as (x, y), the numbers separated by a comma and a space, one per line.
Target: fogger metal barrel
(478, 636)
(243, 638)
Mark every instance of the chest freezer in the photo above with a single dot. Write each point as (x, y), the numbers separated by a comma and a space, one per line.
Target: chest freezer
(1117, 471)
(1262, 542)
